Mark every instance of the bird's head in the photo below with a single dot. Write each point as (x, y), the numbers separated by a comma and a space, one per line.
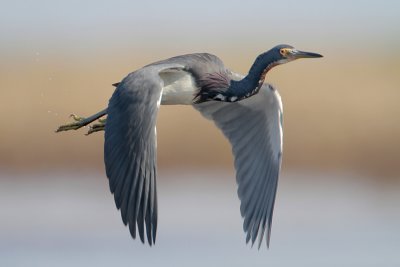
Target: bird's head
(286, 53)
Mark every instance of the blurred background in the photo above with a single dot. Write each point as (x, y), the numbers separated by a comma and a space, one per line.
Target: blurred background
(338, 197)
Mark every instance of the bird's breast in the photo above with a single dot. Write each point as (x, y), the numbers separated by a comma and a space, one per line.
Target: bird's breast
(179, 88)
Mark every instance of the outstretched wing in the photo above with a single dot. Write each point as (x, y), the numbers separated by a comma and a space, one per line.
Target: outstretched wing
(254, 129)
(130, 147)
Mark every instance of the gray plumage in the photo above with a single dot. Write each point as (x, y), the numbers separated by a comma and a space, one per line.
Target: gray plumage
(130, 148)
(130, 144)
(253, 127)
(248, 112)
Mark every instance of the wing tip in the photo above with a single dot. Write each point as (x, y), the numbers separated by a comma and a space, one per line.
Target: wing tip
(150, 234)
(254, 236)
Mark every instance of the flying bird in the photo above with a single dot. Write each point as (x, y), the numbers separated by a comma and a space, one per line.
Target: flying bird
(246, 110)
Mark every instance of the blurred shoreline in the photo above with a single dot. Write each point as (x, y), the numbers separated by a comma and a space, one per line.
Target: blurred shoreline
(336, 122)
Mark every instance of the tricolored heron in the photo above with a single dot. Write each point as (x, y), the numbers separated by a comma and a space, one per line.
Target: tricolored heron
(247, 110)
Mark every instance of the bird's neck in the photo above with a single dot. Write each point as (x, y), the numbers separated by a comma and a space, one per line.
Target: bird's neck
(252, 82)
(256, 76)
(246, 87)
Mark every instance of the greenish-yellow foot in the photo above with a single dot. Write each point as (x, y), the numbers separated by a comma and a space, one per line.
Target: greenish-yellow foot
(79, 123)
(97, 127)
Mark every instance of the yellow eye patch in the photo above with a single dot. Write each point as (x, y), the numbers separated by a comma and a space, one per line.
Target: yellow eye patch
(285, 51)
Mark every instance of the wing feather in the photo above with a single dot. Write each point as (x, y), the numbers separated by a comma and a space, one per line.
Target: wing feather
(253, 127)
(130, 148)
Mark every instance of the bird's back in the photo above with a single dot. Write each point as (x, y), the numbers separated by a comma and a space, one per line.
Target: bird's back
(195, 72)
(198, 64)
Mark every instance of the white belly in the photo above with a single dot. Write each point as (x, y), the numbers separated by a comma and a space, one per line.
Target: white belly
(179, 88)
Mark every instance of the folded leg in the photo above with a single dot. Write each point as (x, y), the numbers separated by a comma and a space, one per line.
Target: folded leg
(80, 122)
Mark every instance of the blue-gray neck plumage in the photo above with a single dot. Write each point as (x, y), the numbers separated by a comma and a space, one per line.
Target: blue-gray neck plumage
(248, 86)
(262, 65)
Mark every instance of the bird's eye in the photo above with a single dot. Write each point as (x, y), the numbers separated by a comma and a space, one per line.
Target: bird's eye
(283, 52)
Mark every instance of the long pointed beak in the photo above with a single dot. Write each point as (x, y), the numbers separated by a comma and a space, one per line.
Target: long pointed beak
(301, 54)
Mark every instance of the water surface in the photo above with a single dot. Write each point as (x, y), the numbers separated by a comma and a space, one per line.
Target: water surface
(62, 219)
